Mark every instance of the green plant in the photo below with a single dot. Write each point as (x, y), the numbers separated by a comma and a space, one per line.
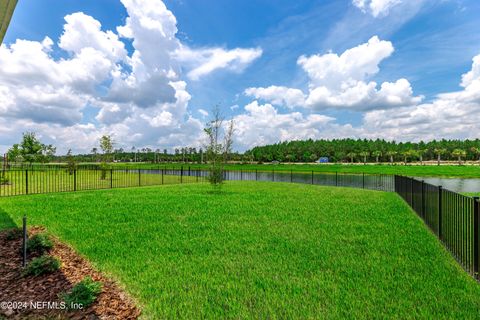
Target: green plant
(31, 149)
(71, 163)
(103, 170)
(13, 234)
(218, 151)
(42, 265)
(39, 243)
(83, 293)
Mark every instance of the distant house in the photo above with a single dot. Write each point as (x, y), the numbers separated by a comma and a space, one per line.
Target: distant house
(322, 160)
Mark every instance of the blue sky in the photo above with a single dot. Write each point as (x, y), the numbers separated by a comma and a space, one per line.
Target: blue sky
(418, 49)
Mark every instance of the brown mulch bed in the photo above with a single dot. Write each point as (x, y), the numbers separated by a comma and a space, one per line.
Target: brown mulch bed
(112, 303)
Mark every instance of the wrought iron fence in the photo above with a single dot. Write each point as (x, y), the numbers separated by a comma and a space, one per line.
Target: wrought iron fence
(60, 179)
(453, 217)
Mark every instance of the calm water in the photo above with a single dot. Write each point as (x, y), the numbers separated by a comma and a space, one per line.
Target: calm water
(454, 184)
(460, 185)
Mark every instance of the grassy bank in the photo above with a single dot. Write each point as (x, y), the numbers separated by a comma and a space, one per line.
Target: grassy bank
(259, 250)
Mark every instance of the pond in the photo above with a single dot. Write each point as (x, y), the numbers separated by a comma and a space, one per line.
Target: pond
(377, 182)
(460, 185)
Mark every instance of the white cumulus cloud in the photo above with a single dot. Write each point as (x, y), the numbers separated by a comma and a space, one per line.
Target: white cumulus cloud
(263, 124)
(450, 115)
(140, 96)
(342, 81)
(278, 95)
(204, 61)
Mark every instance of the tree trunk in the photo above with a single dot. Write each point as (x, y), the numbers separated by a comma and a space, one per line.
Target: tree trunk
(364, 160)
(405, 159)
(376, 159)
(391, 159)
(438, 159)
(459, 160)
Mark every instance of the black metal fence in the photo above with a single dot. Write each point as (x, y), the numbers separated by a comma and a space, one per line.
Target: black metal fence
(21, 182)
(379, 182)
(453, 217)
(58, 179)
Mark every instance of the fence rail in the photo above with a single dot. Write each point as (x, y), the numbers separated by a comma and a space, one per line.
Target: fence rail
(453, 217)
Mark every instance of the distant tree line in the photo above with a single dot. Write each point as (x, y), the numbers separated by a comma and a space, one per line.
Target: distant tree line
(186, 154)
(31, 150)
(364, 150)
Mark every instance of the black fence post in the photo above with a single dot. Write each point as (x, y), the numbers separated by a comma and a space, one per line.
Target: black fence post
(476, 236)
(411, 193)
(312, 176)
(336, 178)
(273, 174)
(139, 179)
(440, 212)
(181, 174)
(26, 181)
(291, 175)
(74, 179)
(423, 199)
(162, 175)
(256, 174)
(241, 175)
(111, 178)
(24, 256)
(363, 180)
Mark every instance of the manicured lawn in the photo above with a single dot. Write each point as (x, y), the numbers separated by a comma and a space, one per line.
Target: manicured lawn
(472, 194)
(259, 250)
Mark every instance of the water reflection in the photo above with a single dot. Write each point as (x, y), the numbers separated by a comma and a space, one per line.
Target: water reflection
(454, 184)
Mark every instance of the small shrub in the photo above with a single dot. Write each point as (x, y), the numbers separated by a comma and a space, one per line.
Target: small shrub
(39, 243)
(215, 176)
(103, 171)
(83, 293)
(14, 234)
(42, 265)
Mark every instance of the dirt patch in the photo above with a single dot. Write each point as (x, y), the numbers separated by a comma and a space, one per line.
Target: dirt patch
(28, 295)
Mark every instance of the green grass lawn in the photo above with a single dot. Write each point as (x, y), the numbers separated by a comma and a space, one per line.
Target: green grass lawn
(259, 250)
(472, 194)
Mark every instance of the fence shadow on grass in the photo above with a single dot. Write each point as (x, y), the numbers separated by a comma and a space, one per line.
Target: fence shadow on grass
(6, 222)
